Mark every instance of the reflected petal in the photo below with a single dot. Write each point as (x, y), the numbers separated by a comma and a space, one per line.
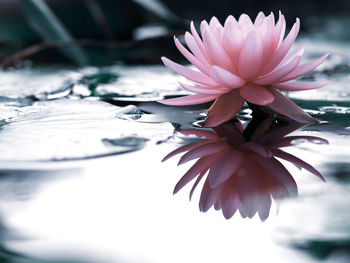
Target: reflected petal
(201, 165)
(224, 167)
(230, 205)
(279, 172)
(265, 206)
(203, 150)
(185, 148)
(295, 160)
(199, 178)
(208, 196)
(260, 149)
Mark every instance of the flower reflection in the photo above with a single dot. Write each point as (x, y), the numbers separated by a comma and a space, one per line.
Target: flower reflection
(242, 61)
(240, 168)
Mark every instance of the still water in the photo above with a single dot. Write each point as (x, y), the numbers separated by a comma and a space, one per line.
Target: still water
(81, 177)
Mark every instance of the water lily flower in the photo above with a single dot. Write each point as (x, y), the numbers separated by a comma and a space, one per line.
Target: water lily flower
(243, 61)
(241, 175)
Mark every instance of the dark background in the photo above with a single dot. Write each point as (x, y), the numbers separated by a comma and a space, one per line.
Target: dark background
(114, 23)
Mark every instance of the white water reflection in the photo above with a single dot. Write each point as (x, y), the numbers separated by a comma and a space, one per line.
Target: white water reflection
(40, 82)
(122, 210)
(69, 129)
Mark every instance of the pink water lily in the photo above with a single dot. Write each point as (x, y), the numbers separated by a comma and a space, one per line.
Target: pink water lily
(241, 175)
(243, 61)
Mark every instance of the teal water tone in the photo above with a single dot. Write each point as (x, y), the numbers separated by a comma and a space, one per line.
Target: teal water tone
(81, 176)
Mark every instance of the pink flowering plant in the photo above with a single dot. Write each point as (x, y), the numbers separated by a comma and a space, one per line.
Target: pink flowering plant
(243, 61)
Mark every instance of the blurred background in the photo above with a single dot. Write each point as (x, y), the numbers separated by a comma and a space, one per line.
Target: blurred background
(99, 32)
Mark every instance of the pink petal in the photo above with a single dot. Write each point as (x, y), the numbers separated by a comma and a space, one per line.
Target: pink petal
(266, 34)
(190, 57)
(256, 94)
(300, 85)
(215, 50)
(276, 76)
(204, 150)
(185, 148)
(216, 28)
(199, 42)
(295, 160)
(272, 18)
(195, 49)
(224, 108)
(257, 148)
(226, 78)
(305, 68)
(246, 24)
(283, 48)
(201, 165)
(232, 41)
(218, 90)
(286, 107)
(259, 19)
(188, 73)
(297, 52)
(189, 100)
(224, 167)
(214, 22)
(280, 29)
(251, 56)
(271, 36)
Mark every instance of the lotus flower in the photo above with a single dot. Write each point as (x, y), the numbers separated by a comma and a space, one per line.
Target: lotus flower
(241, 175)
(243, 61)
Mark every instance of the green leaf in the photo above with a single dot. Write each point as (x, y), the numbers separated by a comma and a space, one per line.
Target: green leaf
(49, 27)
(159, 9)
